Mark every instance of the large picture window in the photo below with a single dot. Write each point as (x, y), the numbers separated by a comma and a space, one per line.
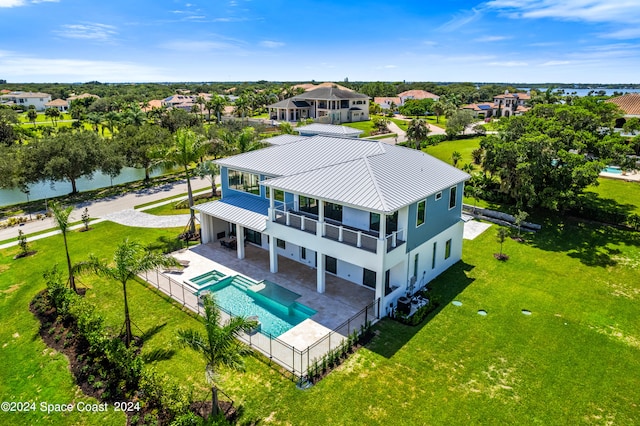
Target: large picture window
(307, 204)
(244, 181)
(333, 211)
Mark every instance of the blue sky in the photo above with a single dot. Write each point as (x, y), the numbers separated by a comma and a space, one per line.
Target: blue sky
(537, 41)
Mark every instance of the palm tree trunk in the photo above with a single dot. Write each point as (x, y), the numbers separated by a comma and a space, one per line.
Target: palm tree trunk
(72, 281)
(215, 408)
(127, 318)
(192, 223)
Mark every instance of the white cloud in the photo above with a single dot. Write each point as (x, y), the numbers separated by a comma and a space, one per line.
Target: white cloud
(624, 34)
(486, 39)
(508, 64)
(12, 3)
(196, 45)
(25, 68)
(271, 44)
(621, 11)
(390, 66)
(18, 3)
(555, 63)
(88, 31)
(460, 20)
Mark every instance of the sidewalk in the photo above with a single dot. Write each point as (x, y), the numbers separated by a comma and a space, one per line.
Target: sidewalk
(106, 209)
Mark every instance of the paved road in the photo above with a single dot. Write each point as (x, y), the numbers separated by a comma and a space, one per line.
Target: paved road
(106, 209)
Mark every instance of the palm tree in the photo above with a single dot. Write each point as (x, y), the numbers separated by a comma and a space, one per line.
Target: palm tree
(455, 157)
(52, 113)
(61, 218)
(417, 131)
(218, 346)
(210, 170)
(32, 115)
(187, 148)
(95, 119)
(200, 101)
(217, 106)
(129, 259)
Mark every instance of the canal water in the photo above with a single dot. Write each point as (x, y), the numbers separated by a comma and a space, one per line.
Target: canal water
(45, 190)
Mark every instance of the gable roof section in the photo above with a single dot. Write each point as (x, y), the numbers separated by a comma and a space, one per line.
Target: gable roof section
(331, 93)
(629, 103)
(250, 212)
(283, 139)
(418, 94)
(306, 154)
(328, 130)
(354, 172)
(291, 103)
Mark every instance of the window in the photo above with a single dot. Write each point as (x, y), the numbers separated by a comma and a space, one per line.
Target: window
(391, 222)
(253, 236)
(422, 212)
(278, 194)
(438, 195)
(244, 181)
(331, 264)
(303, 253)
(309, 205)
(433, 258)
(369, 278)
(415, 265)
(452, 197)
(333, 211)
(447, 249)
(280, 243)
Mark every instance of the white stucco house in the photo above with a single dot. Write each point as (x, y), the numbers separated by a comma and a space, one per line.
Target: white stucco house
(26, 99)
(329, 105)
(384, 217)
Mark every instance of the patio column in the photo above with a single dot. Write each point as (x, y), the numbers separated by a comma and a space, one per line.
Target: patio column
(382, 237)
(380, 284)
(320, 279)
(273, 255)
(240, 241)
(320, 229)
(272, 205)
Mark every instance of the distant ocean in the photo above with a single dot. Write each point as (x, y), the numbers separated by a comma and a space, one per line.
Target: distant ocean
(585, 92)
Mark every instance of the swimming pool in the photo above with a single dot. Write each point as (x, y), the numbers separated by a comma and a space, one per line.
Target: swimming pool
(612, 169)
(205, 279)
(274, 305)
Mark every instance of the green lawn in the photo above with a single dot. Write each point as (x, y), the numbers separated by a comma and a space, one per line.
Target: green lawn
(443, 150)
(42, 118)
(620, 191)
(575, 360)
(365, 126)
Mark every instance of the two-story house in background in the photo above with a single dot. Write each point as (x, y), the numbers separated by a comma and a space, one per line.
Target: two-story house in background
(329, 105)
(510, 104)
(380, 216)
(26, 99)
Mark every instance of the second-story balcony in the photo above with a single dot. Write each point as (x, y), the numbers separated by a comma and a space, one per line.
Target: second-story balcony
(336, 231)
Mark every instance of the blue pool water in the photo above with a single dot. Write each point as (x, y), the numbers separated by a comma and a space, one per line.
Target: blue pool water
(612, 169)
(274, 305)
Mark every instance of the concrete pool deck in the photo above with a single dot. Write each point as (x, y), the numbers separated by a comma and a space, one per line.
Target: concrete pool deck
(341, 300)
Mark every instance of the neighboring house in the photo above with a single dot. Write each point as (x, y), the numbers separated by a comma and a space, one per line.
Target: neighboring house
(416, 94)
(482, 110)
(185, 102)
(381, 216)
(148, 106)
(310, 86)
(59, 104)
(510, 104)
(387, 102)
(629, 104)
(26, 99)
(326, 105)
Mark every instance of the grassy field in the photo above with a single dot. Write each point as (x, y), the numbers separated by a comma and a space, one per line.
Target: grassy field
(620, 191)
(574, 360)
(443, 150)
(42, 118)
(365, 126)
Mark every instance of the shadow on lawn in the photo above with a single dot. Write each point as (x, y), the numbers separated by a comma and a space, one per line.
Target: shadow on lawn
(587, 241)
(392, 335)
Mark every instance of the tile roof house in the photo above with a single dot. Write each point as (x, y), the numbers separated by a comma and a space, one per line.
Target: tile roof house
(26, 99)
(484, 109)
(384, 217)
(417, 94)
(329, 105)
(510, 104)
(629, 104)
(59, 104)
(385, 102)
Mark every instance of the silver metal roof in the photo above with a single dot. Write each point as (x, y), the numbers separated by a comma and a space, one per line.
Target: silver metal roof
(283, 139)
(247, 211)
(328, 130)
(356, 172)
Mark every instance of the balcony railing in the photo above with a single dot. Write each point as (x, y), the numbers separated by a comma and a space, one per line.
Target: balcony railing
(296, 220)
(365, 240)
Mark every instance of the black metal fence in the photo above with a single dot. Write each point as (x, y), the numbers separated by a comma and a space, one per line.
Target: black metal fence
(295, 360)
